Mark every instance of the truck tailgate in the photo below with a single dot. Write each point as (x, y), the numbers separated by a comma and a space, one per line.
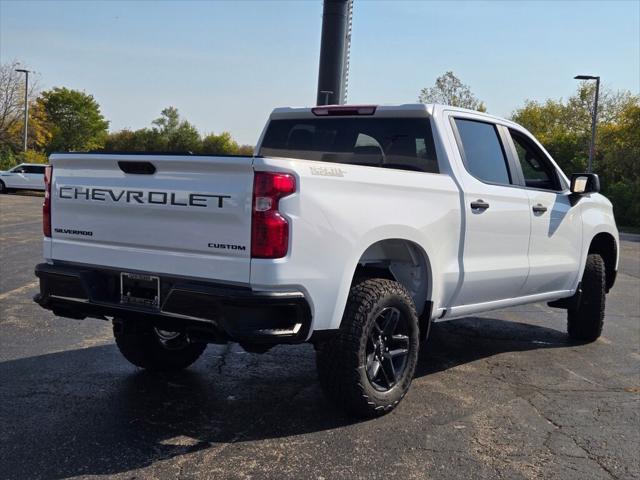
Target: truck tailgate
(181, 215)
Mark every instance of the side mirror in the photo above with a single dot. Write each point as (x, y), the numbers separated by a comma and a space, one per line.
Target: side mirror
(583, 183)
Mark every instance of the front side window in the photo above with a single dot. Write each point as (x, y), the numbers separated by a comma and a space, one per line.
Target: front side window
(400, 143)
(482, 151)
(537, 171)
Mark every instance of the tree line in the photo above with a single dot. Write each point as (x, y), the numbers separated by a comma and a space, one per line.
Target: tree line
(61, 119)
(564, 128)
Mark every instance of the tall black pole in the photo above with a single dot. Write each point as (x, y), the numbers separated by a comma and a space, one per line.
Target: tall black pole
(594, 118)
(333, 51)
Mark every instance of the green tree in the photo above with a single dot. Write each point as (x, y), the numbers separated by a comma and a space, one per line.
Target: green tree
(124, 141)
(246, 150)
(449, 90)
(220, 144)
(12, 86)
(168, 122)
(619, 161)
(564, 128)
(185, 138)
(170, 133)
(75, 120)
(178, 135)
(8, 158)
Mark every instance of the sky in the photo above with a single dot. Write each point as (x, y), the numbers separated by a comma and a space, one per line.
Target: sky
(226, 64)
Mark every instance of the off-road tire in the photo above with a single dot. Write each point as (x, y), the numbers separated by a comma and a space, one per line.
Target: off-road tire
(584, 323)
(143, 348)
(341, 360)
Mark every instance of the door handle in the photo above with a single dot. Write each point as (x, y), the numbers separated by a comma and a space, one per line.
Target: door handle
(479, 205)
(539, 208)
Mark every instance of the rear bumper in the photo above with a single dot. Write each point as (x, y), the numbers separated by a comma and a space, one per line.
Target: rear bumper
(208, 311)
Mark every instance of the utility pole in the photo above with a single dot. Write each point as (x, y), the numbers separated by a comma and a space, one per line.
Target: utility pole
(26, 104)
(334, 57)
(594, 118)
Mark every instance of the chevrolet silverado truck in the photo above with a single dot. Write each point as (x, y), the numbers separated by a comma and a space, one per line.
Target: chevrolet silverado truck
(351, 228)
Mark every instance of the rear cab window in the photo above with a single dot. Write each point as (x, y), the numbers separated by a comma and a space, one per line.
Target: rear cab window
(399, 143)
(482, 151)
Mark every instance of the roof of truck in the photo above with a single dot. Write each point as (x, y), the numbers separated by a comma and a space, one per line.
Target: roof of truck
(409, 109)
(404, 110)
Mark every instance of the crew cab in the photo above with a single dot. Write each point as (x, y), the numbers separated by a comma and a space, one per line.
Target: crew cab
(26, 176)
(352, 228)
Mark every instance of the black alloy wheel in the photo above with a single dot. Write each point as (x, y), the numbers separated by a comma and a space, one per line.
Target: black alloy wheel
(387, 349)
(366, 367)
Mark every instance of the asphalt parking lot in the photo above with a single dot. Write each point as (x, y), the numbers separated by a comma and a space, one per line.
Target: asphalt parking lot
(502, 395)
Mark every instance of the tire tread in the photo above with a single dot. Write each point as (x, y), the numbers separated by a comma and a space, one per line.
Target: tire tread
(585, 322)
(338, 360)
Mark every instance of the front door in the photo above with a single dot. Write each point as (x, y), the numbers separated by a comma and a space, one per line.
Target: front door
(555, 247)
(18, 178)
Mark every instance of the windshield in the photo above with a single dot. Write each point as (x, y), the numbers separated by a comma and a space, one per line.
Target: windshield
(402, 143)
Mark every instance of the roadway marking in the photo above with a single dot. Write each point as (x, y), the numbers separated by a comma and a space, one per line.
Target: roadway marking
(18, 290)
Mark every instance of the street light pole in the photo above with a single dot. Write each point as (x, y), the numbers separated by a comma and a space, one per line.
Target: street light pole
(594, 117)
(26, 104)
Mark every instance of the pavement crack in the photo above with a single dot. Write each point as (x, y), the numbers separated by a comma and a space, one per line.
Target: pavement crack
(223, 357)
(560, 431)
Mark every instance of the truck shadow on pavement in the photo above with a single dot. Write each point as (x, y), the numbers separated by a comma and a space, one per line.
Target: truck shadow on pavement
(87, 412)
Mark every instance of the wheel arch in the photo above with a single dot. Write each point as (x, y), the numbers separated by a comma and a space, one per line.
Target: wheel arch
(605, 245)
(402, 260)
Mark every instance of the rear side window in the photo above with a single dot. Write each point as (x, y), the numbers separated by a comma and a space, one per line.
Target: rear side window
(33, 169)
(401, 143)
(482, 151)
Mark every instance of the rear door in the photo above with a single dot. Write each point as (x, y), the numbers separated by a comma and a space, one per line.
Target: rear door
(495, 260)
(181, 215)
(555, 247)
(34, 175)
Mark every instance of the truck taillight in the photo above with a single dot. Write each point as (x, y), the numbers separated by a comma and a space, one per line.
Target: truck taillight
(46, 206)
(269, 229)
(343, 110)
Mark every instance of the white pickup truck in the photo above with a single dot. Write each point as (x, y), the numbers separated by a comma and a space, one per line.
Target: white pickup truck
(352, 227)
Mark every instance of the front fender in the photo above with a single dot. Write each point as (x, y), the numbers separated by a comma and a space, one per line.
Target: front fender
(597, 217)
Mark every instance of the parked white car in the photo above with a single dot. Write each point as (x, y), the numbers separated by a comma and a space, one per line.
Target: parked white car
(26, 176)
(353, 228)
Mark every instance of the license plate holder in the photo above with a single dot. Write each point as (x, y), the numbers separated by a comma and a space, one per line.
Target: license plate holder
(139, 289)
